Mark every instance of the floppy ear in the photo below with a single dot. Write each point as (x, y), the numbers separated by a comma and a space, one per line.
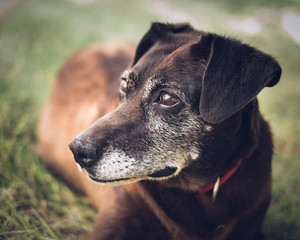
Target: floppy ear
(234, 75)
(157, 32)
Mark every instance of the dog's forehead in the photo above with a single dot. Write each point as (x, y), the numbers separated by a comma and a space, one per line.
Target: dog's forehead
(171, 60)
(132, 78)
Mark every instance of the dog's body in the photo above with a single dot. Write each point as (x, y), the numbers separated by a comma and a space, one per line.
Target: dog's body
(187, 115)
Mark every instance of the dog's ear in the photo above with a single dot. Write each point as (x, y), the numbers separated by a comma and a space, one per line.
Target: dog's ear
(157, 32)
(235, 73)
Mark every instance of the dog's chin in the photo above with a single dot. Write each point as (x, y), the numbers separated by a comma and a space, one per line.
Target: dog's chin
(159, 175)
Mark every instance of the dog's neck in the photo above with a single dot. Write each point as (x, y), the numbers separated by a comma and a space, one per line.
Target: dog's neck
(219, 182)
(173, 207)
(147, 197)
(161, 202)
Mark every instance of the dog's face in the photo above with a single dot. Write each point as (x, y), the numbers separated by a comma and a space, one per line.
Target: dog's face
(181, 106)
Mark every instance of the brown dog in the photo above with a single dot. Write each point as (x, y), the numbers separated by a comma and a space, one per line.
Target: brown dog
(186, 138)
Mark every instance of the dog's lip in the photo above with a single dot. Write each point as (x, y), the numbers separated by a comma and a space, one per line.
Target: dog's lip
(106, 180)
(160, 174)
(167, 171)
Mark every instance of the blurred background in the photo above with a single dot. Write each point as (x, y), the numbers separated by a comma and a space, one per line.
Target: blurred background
(37, 36)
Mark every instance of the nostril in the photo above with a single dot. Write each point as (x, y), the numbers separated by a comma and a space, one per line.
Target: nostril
(83, 159)
(83, 152)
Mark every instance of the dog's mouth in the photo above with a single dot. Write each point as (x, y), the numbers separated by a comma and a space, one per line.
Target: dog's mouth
(108, 181)
(166, 172)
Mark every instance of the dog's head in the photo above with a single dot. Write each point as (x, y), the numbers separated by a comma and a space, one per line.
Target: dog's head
(181, 107)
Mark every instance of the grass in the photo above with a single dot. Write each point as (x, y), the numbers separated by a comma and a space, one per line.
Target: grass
(36, 38)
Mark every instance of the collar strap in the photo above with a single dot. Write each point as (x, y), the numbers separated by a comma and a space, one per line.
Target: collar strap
(222, 180)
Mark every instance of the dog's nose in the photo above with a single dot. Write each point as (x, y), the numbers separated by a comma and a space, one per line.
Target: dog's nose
(85, 153)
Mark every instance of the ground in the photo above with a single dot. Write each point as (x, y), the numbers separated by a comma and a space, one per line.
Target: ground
(37, 36)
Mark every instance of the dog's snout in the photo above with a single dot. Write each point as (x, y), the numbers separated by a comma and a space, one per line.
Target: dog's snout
(85, 154)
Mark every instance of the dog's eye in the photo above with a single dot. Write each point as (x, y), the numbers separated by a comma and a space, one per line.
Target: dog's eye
(123, 85)
(167, 99)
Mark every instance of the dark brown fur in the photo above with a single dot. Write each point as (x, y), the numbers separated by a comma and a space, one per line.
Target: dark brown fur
(225, 100)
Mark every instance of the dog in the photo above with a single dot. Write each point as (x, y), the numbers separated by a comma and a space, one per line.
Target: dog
(174, 126)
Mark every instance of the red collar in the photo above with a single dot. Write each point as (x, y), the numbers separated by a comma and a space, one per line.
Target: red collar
(223, 179)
